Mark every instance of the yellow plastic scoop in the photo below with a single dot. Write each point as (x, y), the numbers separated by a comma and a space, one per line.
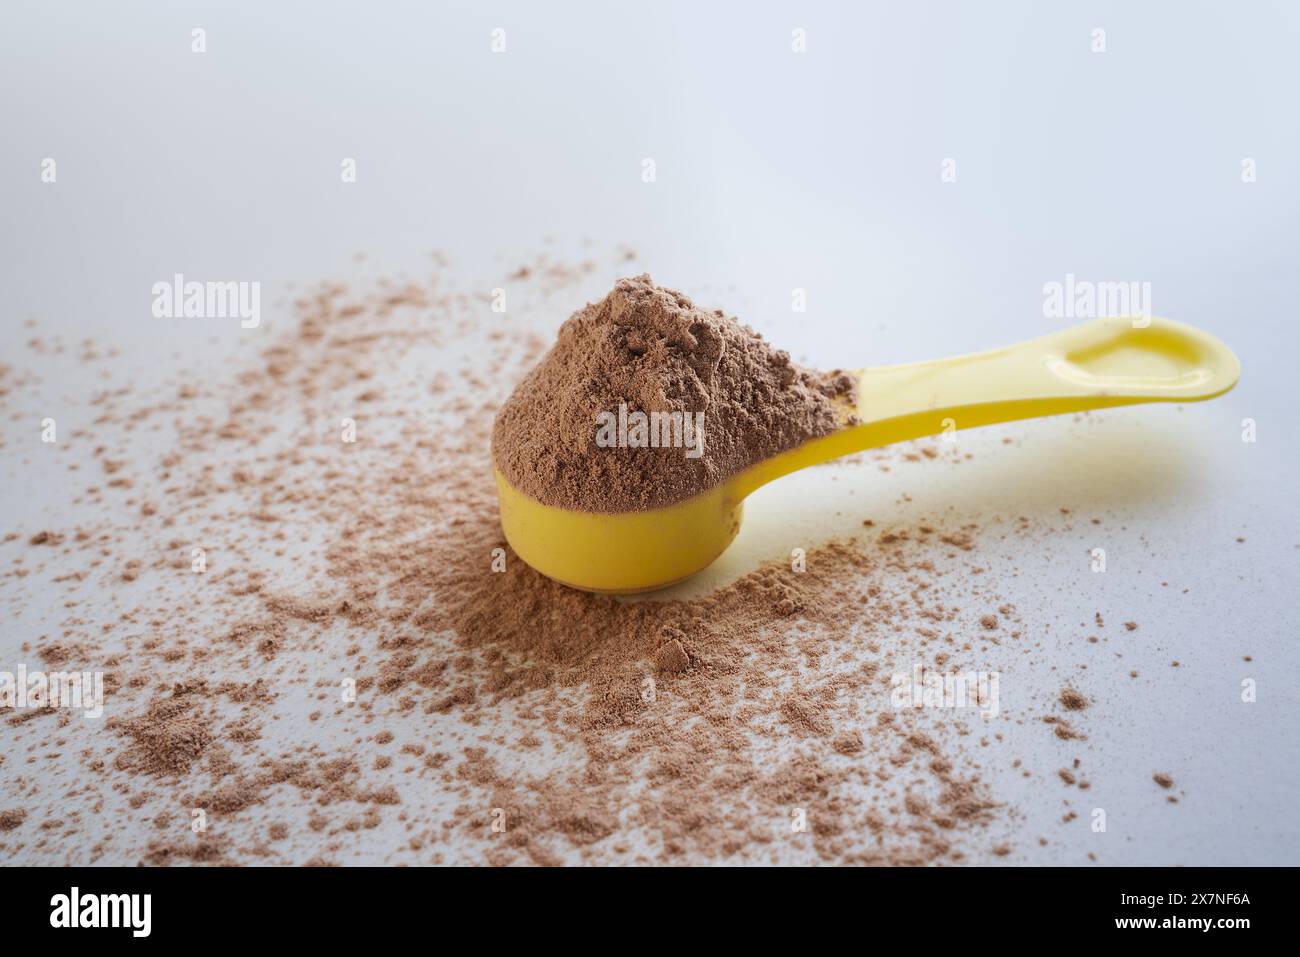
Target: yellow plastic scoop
(1102, 363)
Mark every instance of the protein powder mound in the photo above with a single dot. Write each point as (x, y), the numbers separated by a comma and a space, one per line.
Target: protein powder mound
(648, 349)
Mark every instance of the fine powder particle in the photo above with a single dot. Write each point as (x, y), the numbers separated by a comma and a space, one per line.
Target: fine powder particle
(649, 349)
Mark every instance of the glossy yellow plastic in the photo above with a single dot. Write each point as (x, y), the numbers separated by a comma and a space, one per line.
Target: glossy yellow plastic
(1102, 363)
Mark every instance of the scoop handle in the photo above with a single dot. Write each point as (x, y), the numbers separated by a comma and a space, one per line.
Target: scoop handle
(1095, 365)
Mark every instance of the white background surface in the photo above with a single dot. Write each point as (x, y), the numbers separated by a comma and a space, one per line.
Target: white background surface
(774, 171)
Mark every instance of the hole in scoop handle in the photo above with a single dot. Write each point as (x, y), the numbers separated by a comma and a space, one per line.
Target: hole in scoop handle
(1098, 364)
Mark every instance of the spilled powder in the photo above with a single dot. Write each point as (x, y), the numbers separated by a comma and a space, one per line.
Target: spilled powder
(644, 348)
(1071, 700)
(360, 670)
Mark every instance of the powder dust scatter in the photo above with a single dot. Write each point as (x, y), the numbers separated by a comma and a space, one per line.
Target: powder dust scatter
(320, 651)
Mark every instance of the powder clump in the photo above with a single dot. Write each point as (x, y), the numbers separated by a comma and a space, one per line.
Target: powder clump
(1072, 700)
(671, 658)
(12, 818)
(166, 739)
(651, 350)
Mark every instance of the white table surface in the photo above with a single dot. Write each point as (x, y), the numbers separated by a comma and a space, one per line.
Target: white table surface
(775, 171)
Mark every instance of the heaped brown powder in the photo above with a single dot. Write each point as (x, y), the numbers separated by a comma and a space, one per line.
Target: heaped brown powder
(648, 349)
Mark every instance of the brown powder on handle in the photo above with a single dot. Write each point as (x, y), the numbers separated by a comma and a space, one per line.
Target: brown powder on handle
(652, 350)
